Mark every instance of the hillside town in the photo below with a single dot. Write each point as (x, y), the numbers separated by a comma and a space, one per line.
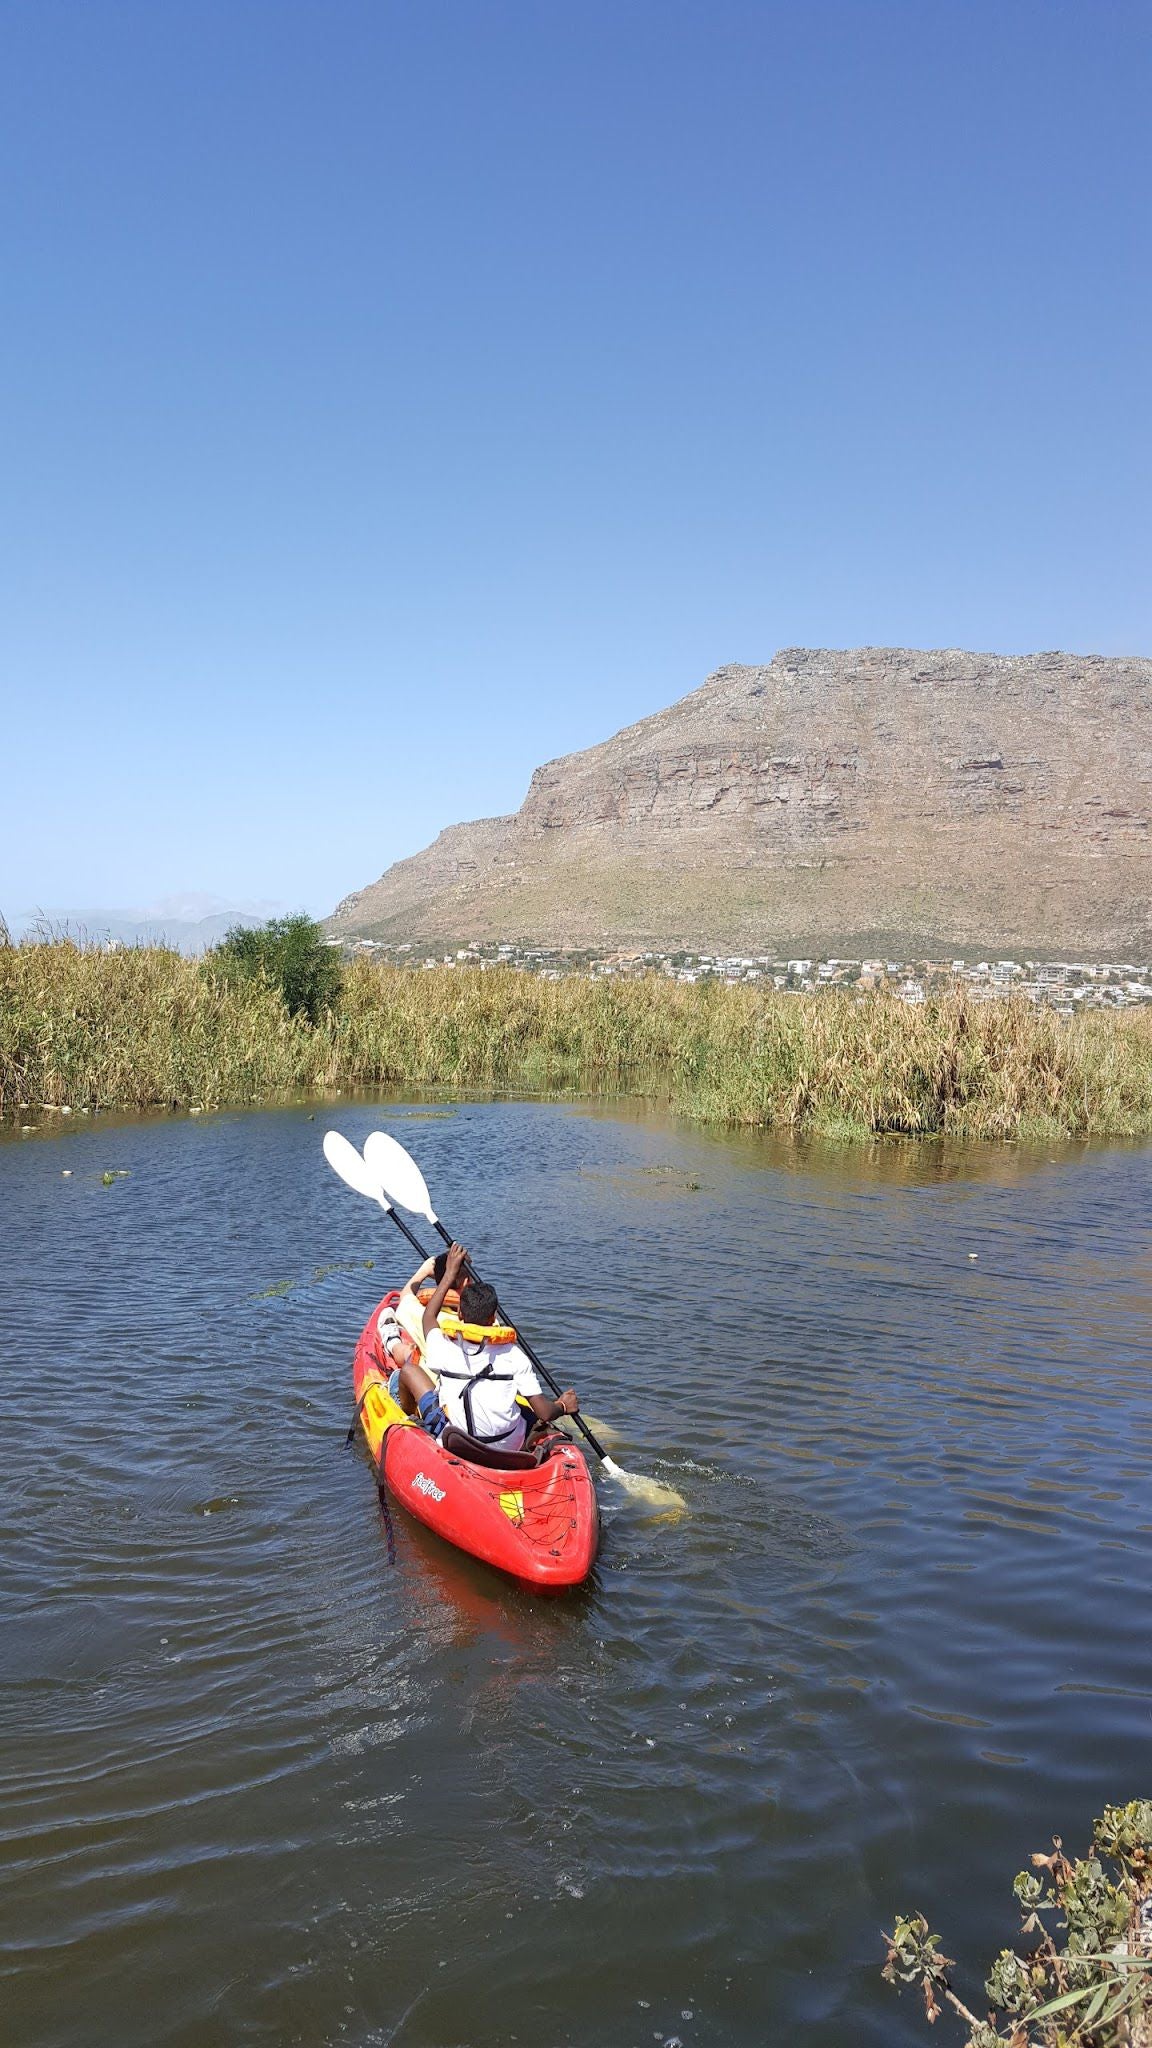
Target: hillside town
(1064, 985)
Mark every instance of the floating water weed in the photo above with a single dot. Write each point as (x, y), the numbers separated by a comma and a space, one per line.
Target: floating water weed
(320, 1273)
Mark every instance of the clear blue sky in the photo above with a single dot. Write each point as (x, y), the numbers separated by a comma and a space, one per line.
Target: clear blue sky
(396, 396)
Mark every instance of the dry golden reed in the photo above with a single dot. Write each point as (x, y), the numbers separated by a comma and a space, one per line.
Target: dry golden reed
(133, 1029)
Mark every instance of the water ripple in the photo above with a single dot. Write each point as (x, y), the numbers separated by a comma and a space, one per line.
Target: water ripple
(257, 1785)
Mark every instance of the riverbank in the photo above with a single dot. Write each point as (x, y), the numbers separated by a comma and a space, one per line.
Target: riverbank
(86, 1030)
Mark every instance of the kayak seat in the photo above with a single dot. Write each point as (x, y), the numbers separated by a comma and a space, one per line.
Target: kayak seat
(459, 1444)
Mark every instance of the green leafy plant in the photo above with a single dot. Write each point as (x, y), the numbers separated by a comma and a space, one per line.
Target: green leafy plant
(290, 954)
(1091, 1990)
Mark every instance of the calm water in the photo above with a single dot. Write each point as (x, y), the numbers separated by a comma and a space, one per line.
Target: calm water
(258, 1786)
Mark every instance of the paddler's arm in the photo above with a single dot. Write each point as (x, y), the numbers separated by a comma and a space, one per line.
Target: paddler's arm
(421, 1274)
(546, 1410)
(456, 1261)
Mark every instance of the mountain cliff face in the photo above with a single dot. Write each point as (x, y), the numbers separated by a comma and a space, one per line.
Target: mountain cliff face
(831, 802)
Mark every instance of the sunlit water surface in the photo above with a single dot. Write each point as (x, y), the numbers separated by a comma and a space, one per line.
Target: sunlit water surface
(259, 1785)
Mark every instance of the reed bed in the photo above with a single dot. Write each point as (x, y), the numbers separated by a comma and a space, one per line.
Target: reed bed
(84, 1029)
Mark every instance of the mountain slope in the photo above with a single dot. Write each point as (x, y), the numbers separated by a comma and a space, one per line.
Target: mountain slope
(830, 801)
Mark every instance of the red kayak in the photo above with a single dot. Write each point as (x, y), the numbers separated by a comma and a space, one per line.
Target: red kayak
(533, 1513)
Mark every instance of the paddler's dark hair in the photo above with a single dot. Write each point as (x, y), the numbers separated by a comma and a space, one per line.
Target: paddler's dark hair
(439, 1264)
(478, 1303)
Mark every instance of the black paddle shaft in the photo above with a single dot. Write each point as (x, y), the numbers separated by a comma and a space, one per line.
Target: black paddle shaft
(525, 1346)
(413, 1240)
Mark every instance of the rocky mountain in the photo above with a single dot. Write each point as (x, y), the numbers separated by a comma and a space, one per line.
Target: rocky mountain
(870, 801)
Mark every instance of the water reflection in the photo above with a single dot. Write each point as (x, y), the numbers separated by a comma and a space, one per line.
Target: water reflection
(893, 1161)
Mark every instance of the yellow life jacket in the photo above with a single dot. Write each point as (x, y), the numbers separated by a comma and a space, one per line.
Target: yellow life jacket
(476, 1333)
(451, 1299)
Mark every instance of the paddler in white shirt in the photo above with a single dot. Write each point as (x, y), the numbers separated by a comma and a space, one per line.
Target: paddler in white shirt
(481, 1374)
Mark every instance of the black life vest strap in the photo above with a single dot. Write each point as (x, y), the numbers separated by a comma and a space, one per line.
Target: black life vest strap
(473, 1379)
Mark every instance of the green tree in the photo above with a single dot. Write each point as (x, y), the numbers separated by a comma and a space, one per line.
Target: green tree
(290, 954)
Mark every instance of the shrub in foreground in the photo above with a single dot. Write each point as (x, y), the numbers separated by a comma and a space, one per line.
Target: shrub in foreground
(1084, 1979)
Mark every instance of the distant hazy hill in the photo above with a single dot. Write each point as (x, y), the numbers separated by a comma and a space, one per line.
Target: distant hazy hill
(133, 928)
(844, 802)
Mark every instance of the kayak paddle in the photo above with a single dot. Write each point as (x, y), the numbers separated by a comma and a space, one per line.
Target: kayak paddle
(399, 1181)
(345, 1160)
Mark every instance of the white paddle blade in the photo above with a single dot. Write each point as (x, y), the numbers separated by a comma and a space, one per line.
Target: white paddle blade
(345, 1160)
(398, 1174)
(666, 1504)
